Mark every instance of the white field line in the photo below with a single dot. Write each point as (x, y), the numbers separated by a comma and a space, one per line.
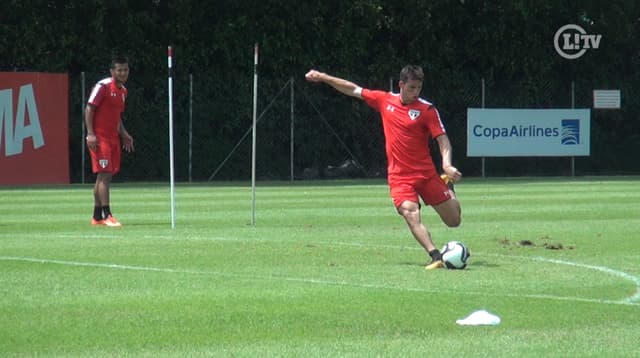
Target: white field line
(634, 299)
(631, 300)
(627, 301)
(635, 279)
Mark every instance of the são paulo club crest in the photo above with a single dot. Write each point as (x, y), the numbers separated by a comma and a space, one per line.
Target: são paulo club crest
(414, 114)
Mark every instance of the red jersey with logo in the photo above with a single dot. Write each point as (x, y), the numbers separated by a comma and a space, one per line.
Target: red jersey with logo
(407, 129)
(108, 100)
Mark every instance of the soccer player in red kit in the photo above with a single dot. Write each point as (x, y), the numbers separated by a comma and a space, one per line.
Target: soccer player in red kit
(106, 136)
(409, 122)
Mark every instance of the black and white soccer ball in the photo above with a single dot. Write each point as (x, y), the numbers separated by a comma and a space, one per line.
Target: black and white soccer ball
(455, 255)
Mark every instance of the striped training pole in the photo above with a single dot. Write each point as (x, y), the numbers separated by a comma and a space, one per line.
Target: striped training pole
(171, 169)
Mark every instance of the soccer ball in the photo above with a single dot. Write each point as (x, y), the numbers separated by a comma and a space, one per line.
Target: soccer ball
(455, 255)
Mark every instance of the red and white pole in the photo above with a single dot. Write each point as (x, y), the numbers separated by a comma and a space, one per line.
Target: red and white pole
(171, 167)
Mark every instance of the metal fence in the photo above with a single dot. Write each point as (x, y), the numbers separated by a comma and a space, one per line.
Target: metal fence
(309, 131)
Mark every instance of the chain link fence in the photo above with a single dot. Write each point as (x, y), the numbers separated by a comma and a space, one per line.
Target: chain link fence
(333, 136)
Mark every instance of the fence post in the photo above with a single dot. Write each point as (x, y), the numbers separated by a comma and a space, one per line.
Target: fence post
(190, 124)
(573, 106)
(82, 140)
(292, 107)
(483, 159)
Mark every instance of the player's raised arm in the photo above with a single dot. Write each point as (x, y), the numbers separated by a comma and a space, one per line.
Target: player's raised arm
(347, 87)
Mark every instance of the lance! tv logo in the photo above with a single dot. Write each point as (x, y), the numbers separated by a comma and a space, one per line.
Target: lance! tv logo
(572, 41)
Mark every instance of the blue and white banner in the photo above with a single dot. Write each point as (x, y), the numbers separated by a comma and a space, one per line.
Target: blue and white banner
(528, 132)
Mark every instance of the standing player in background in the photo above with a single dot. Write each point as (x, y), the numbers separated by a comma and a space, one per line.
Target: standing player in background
(409, 122)
(106, 136)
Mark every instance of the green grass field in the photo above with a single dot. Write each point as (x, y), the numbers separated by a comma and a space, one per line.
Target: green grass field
(330, 270)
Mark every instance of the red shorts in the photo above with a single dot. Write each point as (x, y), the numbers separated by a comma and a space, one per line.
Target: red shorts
(106, 157)
(433, 190)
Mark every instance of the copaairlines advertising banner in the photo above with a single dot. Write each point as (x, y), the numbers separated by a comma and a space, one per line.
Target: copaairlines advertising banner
(528, 132)
(34, 128)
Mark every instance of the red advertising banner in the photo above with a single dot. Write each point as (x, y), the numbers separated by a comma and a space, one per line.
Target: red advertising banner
(34, 128)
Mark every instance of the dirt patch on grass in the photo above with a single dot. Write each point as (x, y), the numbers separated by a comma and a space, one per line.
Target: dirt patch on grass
(543, 242)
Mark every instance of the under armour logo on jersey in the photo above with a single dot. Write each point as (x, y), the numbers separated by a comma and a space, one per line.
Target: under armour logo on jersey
(103, 163)
(413, 114)
(391, 108)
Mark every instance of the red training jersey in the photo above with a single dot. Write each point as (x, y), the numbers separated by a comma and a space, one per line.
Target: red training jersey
(108, 100)
(407, 129)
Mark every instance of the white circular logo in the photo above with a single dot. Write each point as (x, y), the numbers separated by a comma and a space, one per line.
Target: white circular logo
(566, 41)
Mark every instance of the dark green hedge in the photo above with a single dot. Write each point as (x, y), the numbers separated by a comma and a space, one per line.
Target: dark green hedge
(509, 44)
